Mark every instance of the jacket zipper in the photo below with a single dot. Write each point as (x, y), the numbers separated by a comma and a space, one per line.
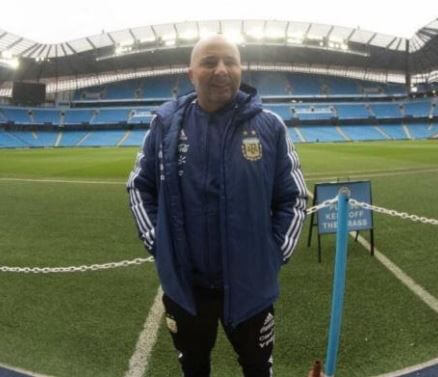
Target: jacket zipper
(224, 244)
(206, 233)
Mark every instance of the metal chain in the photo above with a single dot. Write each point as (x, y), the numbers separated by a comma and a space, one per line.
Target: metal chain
(138, 261)
(325, 203)
(392, 212)
(83, 268)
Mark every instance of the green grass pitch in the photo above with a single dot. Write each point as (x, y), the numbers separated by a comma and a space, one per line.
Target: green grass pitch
(87, 324)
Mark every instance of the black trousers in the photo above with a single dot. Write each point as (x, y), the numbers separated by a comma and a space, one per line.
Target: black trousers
(194, 336)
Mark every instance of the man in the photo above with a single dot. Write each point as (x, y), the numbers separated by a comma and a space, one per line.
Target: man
(219, 200)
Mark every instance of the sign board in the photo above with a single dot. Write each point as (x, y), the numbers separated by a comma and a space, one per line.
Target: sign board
(358, 217)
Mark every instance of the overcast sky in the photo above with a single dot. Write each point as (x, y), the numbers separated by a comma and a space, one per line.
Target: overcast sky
(49, 21)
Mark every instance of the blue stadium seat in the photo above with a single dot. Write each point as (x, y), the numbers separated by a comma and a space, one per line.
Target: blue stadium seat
(135, 138)
(141, 115)
(110, 116)
(422, 130)
(7, 140)
(281, 110)
(46, 116)
(17, 115)
(420, 109)
(313, 112)
(71, 138)
(386, 110)
(362, 132)
(352, 111)
(108, 138)
(3, 118)
(395, 131)
(339, 86)
(320, 134)
(78, 116)
(293, 135)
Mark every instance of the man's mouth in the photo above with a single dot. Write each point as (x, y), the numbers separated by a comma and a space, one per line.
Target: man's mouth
(220, 85)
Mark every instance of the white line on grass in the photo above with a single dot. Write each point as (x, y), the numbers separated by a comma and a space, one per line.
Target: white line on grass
(139, 361)
(410, 283)
(62, 181)
(23, 371)
(417, 289)
(411, 369)
(310, 179)
(379, 174)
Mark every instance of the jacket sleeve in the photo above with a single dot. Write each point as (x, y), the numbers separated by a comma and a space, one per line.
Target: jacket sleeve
(142, 189)
(289, 195)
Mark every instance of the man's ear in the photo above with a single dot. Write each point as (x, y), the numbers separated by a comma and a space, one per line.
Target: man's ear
(190, 74)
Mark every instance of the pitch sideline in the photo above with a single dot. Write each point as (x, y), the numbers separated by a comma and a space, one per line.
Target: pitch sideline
(139, 362)
(363, 174)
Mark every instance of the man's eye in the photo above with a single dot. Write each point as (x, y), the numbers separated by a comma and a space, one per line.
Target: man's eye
(209, 63)
(230, 62)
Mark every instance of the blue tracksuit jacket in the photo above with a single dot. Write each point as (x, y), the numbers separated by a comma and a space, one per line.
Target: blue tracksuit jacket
(262, 199)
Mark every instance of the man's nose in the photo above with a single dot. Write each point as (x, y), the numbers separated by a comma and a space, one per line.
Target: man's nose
(221, 68)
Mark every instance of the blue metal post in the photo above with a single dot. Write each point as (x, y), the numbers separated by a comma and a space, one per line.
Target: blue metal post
(338, 282)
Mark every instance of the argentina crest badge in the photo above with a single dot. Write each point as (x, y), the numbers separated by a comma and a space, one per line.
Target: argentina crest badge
(251, 146)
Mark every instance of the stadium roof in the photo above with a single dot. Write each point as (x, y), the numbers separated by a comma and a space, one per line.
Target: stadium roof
(161, 46)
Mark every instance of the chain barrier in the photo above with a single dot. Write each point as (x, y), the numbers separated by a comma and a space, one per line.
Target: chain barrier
(325, 203)
(394, 213)
(93, 267)
(138, 261)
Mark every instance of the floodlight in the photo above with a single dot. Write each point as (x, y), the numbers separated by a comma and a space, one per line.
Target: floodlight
(126, 43)
(256, 34)
(6, 54)
(119, 50)
(315, 37)
(189, 35)
(170, 42)
(235, 37)
(148, 40)
(14, 63)
(168, 37)
(274, 34)
(295, 40)
(204, 33)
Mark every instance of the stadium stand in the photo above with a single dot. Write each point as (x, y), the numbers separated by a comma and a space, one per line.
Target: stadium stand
(110, 116)
(78, 116)
(313, 112)
(386, 110)
(362, 132)
(46, 116)
(417, 109)
(140, 116)
(347, 112)
(394, 131)
(71, 138)
(17, 115)
(135, 138)
(352, 111)
(321, 134)
(102, 138)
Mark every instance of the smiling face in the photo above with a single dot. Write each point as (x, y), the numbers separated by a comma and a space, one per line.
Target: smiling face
(215, 72)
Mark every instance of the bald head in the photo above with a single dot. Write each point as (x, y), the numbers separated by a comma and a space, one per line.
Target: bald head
(215, 71)
(216, 39)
